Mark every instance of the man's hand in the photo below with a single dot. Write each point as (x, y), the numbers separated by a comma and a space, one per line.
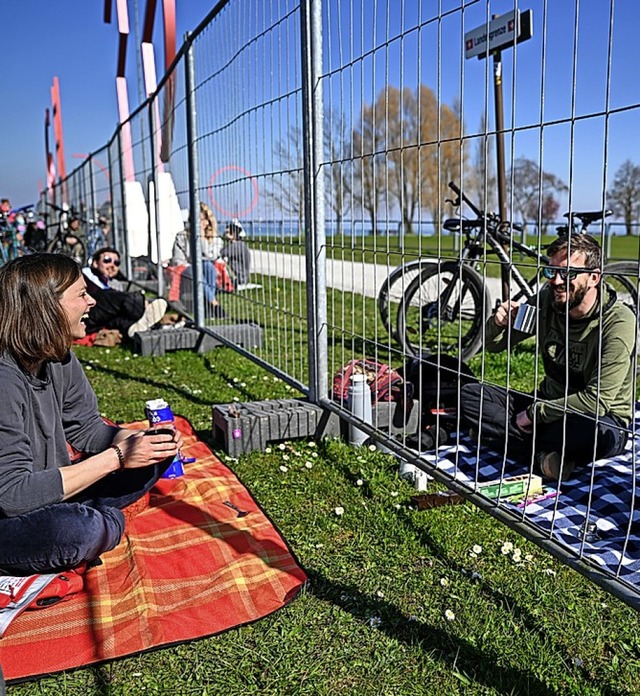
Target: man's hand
(506, 313)
(524, 423)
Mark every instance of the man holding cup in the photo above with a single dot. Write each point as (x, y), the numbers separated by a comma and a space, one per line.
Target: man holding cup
(586, 339)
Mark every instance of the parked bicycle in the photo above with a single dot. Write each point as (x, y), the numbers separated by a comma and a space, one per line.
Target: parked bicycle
(67, 236)
(444, 307)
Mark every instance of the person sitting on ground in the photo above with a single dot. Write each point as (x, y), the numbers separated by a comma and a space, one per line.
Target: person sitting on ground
(128, 312)
(55, 514)
(587, 341)
(210, 245)
(236, 252)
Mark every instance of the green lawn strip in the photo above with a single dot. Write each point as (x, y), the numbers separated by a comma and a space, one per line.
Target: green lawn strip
(373, 619)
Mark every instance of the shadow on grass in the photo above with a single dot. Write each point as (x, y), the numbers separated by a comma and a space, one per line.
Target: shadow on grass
(464, 659)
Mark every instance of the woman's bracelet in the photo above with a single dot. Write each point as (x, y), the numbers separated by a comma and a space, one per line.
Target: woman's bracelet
(118, 451)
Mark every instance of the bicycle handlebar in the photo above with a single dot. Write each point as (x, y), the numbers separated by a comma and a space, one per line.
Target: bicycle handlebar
(456, 189)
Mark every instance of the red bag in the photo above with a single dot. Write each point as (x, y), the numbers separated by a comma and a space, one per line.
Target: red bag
(223, 277)
(384, 382)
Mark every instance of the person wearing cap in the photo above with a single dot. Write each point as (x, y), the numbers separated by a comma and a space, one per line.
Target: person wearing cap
(128, 312)
(236, 252)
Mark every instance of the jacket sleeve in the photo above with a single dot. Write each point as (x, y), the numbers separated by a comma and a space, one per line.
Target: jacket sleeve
(22, 489)
(605, 384)
(83, 426)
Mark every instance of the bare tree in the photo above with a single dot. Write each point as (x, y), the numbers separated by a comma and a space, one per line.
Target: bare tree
(337, 144)
(624, 194)
(534, 192)
(482, 181)
(286, 188)
(367, 181)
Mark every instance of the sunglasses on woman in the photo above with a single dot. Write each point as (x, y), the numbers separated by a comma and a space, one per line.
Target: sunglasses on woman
(550, 272)
(110, 259)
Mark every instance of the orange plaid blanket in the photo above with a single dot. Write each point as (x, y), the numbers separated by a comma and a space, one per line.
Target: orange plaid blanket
(189, 565)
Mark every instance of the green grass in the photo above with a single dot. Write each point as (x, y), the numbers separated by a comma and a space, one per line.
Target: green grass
(383, 576)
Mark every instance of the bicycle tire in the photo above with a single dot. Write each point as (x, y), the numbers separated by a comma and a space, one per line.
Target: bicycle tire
(393, 289)
(76, 251)
(623, 277)
(422, 325)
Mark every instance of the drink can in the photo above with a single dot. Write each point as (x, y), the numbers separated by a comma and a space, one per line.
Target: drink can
(159, 413)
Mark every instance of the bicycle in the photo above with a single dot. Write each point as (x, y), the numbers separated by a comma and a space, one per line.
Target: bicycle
(65, 240)
(445, 307)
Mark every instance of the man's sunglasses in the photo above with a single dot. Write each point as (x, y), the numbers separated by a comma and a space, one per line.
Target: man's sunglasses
(110, 259)
(550, 272)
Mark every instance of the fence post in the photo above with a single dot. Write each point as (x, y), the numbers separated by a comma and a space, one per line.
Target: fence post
(92, 190)
(113, 222)
(153, 202)
(194, 202)
(124, 240)
(315, 238)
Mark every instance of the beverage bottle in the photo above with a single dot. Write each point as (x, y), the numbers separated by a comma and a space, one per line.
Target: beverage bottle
(359, 400)
(160, 414)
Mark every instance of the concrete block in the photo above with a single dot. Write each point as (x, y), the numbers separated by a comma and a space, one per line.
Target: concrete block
(159, 341)
(246, 427)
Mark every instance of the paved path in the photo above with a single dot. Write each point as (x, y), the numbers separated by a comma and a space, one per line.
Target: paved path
(357, 277)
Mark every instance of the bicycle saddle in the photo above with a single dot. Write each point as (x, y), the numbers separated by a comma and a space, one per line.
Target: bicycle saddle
(457, 224)
(588, 218)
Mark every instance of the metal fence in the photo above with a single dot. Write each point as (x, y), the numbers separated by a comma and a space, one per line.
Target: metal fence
(312, 122)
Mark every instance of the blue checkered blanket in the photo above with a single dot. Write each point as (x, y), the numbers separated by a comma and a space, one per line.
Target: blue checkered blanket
(604, 493)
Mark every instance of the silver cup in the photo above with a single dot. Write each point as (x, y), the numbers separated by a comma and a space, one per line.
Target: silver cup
(525, 320)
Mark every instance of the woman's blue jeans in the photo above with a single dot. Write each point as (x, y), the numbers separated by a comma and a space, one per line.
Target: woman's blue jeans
(63, 535)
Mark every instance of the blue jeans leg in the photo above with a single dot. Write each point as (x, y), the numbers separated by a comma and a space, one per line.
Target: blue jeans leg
(61, 536)
(209, 277)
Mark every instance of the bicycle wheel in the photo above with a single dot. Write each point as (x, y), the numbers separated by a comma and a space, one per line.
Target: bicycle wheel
(623, 277)
(392, 290)
(444, 310)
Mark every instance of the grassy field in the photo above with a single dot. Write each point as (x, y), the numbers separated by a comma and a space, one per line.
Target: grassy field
(445, 601)
(393, 250)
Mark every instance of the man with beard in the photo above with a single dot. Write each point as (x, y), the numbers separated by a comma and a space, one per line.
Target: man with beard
(586, 338)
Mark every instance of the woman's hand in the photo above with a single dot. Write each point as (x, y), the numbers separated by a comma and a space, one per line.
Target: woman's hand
(152, 446)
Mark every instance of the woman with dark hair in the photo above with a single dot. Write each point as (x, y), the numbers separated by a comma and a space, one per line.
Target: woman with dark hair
(55, 514)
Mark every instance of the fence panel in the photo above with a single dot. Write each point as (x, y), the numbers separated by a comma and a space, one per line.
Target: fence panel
(334, 130)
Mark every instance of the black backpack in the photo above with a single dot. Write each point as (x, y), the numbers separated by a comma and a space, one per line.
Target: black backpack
(435, 380)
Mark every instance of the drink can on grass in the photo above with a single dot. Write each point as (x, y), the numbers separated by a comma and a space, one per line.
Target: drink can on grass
(159, 413)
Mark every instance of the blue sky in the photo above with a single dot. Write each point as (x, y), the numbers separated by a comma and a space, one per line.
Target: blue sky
(70, 40)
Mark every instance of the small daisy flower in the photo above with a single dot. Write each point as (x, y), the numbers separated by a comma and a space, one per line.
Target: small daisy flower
(282, 447)
(267, 450)
(285, 457)
(444, 582)
(372, 448)
(477, 549)
(394, 494)
(309, 465)
(375, 622)
(339, 511)
(507, 548)
(311, 443)
(284, 468)
(380, 594)
(319, 545)
(449, 615)
(549, 571)
(359, 482)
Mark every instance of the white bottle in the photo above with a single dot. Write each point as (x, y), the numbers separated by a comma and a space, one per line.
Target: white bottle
(359, 400)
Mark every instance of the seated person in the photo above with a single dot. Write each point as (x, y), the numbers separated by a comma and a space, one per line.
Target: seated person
(236, 252)
(128, 312)
(210, 245)
(579, 317)
(54, 514)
